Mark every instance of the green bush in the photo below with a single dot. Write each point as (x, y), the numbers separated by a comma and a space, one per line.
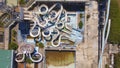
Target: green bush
(22, 2)
(106, 66)
(13, 46)
(1, 24)
(28, 60)
(14, 33)
(40, 45)
(80, 24)
(81, 15)
(88, 16)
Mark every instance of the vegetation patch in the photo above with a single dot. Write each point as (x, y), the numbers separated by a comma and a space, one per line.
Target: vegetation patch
(115, 22)
(13, 46)
(107, 66)
(28, 60)
(22, 2)
(80, 24)
(40, 45)
(81, 15)
(117, 60)
(1, 24)
(88, 16)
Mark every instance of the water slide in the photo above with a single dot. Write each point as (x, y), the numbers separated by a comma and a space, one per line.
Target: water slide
(60, 22)
(43, 9)
(54, 38)
(104, 40)
(40, 57)
(46, 33)
(21, 59)
(33, 31)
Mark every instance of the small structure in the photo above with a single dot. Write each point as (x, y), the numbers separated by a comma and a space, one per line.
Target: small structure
(6, 59)
(28, 51)
(113, 48)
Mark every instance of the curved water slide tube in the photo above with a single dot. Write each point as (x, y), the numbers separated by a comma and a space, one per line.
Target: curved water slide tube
(58, 14)
(32, 29)
(60, 25)
(43, 9)
(53, 15)
(68, 27)
(54, 38)
(104, 44)
(63, 21)
(20, 60)
(41, 23)
(59, 38)
(48, 38)
(40, 59)
(38, 39)
(53, 7)
(49, 33)
(104, 40)
(65, 17)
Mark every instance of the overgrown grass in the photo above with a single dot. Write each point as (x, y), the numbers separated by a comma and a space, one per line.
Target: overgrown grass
(114, 36)
(22, 2)
(117, 61)
(13, 46)
(28, 60)
(13, 43)
(1, 24)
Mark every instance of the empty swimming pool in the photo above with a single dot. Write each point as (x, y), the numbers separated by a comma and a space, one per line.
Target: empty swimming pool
(60, 59)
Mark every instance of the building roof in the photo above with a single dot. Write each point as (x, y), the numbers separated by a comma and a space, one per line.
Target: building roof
(6, 58)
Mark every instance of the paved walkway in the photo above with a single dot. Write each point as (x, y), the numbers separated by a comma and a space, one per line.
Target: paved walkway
(87, 52)
(7, 34)
(6, 37)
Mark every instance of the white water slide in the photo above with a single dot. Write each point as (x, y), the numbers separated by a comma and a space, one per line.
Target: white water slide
(104, 39)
